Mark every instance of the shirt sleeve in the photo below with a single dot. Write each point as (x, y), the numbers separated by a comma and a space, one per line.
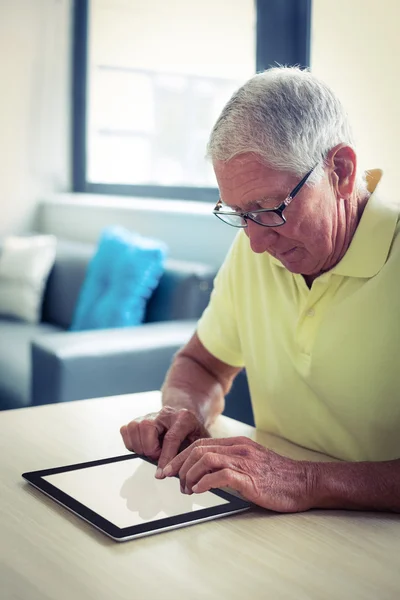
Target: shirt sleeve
(218, 326)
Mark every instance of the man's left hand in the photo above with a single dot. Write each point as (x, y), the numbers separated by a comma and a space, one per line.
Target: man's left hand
(259, 475)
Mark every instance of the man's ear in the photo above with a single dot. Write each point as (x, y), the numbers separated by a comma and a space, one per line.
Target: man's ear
(342, 161)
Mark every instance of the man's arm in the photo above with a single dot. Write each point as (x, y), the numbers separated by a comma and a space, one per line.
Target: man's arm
(198, 382)
(357, 486)
(192, 396)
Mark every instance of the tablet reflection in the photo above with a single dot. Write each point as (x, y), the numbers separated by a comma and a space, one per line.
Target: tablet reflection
(150, 497)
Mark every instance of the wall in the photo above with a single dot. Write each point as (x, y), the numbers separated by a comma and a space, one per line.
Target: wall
(34, 106)
(355, 48)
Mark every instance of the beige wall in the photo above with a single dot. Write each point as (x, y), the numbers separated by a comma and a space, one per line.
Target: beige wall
(355, 48)
(34, 106)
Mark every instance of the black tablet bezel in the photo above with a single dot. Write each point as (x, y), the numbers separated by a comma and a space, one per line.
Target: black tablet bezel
(35, 478)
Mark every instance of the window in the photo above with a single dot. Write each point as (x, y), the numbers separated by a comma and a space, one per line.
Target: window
(151, 77)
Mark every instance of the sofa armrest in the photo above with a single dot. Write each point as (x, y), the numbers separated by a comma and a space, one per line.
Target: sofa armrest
(77, 365)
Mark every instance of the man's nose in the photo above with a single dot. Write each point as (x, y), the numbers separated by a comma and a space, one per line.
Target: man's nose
(262, 239)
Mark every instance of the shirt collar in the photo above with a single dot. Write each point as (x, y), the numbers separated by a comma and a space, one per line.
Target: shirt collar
(370, 246)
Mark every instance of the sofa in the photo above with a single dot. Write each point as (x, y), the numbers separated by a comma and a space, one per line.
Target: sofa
(46, 363)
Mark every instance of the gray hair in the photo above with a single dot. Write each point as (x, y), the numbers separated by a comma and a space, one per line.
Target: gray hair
(286, 116)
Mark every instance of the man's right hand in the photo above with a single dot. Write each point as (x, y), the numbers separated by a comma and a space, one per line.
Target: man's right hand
(160, 435)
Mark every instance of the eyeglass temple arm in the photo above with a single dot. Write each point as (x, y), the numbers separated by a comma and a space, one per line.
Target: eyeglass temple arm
(300, 184)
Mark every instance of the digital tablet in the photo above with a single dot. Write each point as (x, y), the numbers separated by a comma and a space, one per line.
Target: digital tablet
(121, 497)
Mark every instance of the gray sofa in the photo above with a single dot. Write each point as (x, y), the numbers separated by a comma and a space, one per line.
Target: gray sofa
(46, 363)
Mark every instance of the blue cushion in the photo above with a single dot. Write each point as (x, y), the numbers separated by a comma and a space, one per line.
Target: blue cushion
(120, 278)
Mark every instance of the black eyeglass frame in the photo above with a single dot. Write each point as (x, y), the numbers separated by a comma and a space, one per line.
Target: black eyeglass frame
(248, 215)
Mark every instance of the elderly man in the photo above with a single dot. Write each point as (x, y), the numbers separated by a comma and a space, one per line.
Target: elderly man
(308, 301)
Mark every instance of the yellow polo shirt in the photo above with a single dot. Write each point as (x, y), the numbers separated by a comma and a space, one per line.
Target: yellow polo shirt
(323, 364)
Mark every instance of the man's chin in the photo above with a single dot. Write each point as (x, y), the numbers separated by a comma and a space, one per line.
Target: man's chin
(292, 264)
(295, 269)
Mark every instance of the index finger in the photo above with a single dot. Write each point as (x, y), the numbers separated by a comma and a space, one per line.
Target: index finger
(174, 466)
(173, 440)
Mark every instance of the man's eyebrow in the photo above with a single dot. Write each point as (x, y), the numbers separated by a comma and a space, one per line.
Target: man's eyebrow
(275, 201)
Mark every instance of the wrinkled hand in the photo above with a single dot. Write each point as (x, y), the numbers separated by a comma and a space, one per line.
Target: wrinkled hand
(259, 475)
(160, 435)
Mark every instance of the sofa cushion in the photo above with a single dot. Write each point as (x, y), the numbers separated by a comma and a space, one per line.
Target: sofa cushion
(183, 291)
(121, 276)
(25, 264)
(15, 361)
(65, 282)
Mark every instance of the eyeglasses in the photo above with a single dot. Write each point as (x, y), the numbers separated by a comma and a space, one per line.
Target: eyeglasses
(267, 217)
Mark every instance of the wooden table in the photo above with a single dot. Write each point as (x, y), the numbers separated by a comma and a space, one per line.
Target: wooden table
(48, 553)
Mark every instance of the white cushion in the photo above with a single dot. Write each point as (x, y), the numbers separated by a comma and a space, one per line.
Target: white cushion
(25, 264)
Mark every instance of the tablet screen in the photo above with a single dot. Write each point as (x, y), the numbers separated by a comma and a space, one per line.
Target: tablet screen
(126, 493)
